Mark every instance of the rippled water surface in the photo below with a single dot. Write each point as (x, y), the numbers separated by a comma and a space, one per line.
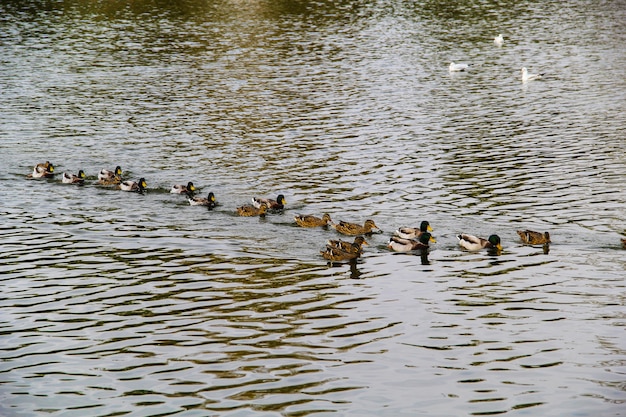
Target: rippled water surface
(123, 304)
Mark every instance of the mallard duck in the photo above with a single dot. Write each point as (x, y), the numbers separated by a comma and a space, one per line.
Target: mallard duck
(534, 238)
(183, 189)
(624, 243)
(107, 177)
(337, 255)
(251, 211)
(526, 76)
(307, 220)
(138, 186)
(69, 178)
(399, 244)
(43, 170)
(355, 229)
(412, 232)
(474, 243)
(200, 201)
(354, 247)
(277, 204)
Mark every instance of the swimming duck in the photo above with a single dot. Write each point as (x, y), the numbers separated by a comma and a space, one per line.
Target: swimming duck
(200, 201)
(43, 170)
(183, 189)
(277, 204)
(354, 247)
(250, 211)
(526, 76)
(307, 220)
(355, 229)
(69, 178)
(473, 243)
(499, 40)
(457, 67)
(534, 238)
(138, 186)
(399, 244)
(107, 177)
(624, 243)
(412, 232)
(337, 255)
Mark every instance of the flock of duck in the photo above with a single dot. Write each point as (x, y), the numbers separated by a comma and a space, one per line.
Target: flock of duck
(404, 239)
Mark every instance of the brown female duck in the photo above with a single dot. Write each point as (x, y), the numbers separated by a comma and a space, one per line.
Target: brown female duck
(355, 229)
(307, 220)
(534, 238)
(354, 247)
(251, 211)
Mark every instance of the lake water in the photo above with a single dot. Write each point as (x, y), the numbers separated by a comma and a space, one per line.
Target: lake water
(122, 304)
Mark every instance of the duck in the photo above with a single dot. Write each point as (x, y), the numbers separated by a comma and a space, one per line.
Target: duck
(534, 238)
(43, 170)
(354, 247)
(277, 204)
(399, 244)
(308, 220)
(624, 242)
(473, 243)
(183, 189)
(499, 40)
(413, 232)
(457, 67)
(355, 229)
(251, 211)
(138, 186)
(107, 177)
(69, 178)
(526, 76)
(200, 201)
(337, 255)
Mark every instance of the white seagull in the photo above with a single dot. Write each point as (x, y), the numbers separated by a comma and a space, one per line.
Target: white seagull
(457, 67)
(498, 40)
(528, 77)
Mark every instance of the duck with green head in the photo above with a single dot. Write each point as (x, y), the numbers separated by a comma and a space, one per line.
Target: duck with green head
(277, 204)
(399, 244)
(137, 186)
(43, 170)
(69, 178)
(473, 243)
(413, 232)
(183, 189)
(108, 177)
(209, 202)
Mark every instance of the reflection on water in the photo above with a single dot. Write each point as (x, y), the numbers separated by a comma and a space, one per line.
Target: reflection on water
(119, 303)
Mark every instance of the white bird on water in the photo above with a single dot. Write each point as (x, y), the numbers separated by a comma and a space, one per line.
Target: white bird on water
(498, 40)
(457, 67)
(529, 77)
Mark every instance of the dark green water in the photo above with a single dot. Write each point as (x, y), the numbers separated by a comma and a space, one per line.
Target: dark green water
(115, 303)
